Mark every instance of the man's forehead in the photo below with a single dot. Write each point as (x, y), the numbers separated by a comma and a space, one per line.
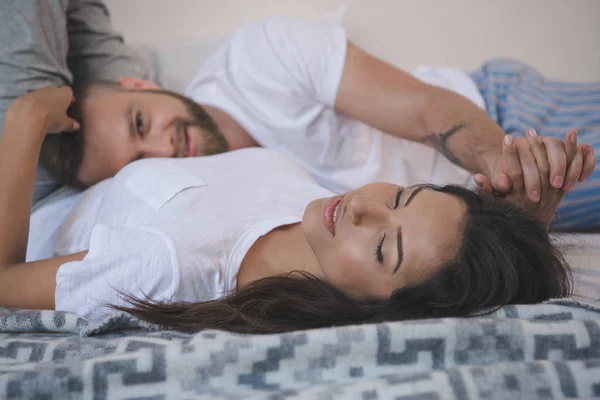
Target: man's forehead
(115, 101)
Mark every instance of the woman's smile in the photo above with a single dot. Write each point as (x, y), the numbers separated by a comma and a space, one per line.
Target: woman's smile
(331, 213)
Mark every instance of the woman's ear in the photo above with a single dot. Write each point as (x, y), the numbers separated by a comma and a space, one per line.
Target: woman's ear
(131, 82)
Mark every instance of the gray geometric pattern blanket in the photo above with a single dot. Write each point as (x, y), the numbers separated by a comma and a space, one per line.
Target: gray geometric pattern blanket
(545, 351)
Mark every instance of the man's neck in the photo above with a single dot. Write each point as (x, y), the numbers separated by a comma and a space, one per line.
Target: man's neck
(281, 251)
(236, 135)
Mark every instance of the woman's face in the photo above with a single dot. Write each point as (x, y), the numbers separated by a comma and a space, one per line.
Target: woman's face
(381, 236)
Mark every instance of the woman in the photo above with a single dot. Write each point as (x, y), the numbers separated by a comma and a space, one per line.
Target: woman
(238, 241)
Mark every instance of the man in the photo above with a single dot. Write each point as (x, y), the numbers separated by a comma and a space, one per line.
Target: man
(302, 88)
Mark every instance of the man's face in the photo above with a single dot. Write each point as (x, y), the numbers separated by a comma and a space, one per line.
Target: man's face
(121, 126)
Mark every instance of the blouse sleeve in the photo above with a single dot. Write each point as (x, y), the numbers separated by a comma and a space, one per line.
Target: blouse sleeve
(140, 262)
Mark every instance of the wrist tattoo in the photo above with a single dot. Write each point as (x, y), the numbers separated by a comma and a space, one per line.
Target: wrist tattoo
(439, 142)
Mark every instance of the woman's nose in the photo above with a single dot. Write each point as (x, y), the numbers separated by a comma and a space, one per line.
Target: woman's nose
(363, 210)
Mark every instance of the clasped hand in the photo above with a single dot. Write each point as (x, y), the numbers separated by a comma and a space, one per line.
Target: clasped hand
(536, 172)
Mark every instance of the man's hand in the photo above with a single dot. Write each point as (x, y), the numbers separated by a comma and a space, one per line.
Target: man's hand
(51, 105)
(535, 165)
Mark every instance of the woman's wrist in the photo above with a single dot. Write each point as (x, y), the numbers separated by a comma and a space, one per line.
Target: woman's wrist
(26, 119)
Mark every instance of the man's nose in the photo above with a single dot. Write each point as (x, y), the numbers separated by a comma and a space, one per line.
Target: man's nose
(363, 210)
(159, 146)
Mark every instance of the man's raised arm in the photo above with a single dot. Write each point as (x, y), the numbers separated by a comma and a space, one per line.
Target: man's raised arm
(395, 102)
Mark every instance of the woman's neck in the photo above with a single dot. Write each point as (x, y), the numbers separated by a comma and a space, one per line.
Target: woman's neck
(281, 251)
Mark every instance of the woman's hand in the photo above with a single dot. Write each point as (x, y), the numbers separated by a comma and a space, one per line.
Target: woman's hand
(51, 105)
(531, 163)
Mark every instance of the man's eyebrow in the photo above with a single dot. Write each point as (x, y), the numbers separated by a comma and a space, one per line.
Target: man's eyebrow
(400, 252)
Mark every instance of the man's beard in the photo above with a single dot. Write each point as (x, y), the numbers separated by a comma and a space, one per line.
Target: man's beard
(214, 143)
(213, 140)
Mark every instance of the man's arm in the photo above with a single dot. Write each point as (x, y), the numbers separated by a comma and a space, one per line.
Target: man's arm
(395, 102)
(27, 121)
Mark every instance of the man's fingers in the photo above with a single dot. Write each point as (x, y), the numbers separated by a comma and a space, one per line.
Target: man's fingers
(574, 171)
(589, 162)
(557, 158)
(541, 158)
(513, 165)
(531, 176)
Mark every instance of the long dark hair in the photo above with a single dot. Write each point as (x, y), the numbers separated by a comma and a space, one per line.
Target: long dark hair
(505, 257)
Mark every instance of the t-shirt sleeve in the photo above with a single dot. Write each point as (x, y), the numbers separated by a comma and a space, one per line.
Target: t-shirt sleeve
(139, 262)
(285, 55)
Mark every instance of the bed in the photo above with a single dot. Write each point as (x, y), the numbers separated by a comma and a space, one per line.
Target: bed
(549, 350)
(544, 351)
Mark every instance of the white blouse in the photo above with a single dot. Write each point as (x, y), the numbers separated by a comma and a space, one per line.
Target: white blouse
(176, 229)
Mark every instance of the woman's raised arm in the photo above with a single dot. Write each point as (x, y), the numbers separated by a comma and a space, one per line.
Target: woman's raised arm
(31, 116)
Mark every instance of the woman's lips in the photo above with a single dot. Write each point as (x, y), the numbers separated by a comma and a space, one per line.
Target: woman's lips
(329, 214)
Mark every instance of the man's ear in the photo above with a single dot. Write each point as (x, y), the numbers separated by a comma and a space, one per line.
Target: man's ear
(131, 82)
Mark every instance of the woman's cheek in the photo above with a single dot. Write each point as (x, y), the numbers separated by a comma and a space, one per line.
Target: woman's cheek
(348, 258)
(348, 269)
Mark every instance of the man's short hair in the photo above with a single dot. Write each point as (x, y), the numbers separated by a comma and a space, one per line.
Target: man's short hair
(62, 154)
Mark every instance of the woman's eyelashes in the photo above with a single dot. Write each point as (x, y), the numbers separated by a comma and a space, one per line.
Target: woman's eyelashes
(379, 251)
(398, 197)
(379, 248)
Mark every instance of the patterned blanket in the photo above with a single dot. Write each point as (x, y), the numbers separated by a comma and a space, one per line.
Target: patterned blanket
(545, 351)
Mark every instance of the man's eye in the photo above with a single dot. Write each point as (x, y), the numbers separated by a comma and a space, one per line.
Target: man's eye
(139, 123)
(398, 196)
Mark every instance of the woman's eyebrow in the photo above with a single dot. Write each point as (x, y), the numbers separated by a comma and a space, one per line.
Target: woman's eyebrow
(399, 240)
(400, 255)
(413, 194)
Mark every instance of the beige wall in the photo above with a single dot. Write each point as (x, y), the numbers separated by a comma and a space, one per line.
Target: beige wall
(561, 38)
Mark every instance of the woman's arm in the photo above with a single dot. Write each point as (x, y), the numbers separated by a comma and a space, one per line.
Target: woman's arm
(26, 123)
(32, 285)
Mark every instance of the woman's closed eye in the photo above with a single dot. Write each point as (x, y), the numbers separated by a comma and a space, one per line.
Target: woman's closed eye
(379, 249)
(398, 197)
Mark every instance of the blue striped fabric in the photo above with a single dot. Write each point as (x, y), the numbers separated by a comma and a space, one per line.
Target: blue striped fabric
(518, 98)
